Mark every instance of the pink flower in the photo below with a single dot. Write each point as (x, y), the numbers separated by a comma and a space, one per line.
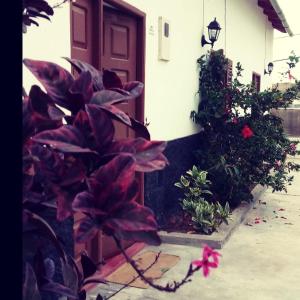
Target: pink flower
(247, 132)
(278, 163)
(290, 75)
(293, 147)
(235, 120)
(205, 263)
(227, 110)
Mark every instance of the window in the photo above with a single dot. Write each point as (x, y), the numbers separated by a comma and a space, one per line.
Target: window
(256, 81)
(228, 74)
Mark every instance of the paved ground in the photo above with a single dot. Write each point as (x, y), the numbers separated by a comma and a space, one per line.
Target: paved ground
(260, 262)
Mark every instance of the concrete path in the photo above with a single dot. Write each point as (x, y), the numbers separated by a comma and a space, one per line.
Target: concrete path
(259, 262)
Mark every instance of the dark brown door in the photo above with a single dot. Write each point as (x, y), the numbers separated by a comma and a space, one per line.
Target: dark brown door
(118, 53)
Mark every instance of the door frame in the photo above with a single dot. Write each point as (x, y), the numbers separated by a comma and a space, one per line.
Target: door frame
(97, 31)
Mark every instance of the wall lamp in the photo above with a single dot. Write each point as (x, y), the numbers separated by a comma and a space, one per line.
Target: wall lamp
(213, 33)
(270, 68)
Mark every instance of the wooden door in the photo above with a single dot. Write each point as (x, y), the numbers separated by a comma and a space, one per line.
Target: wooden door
(117, 33)
(119, 55)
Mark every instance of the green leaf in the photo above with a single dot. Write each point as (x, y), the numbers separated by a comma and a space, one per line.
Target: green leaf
(164, 270)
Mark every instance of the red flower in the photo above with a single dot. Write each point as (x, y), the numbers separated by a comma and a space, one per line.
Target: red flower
(247, 132)
(290, 75)
(205, 263)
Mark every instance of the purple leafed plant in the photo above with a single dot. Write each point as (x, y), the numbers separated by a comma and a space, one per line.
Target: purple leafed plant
(33, 9)
(73, 163)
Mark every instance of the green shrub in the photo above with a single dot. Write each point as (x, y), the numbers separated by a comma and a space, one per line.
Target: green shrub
(242, 143)
(206, 216)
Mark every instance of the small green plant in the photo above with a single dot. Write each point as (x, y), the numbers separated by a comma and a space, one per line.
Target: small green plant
(206, 216)
(194, 184)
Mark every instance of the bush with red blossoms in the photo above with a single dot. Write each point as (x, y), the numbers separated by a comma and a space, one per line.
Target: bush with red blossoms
(242, 141)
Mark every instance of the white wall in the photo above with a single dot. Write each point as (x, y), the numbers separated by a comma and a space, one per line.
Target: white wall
(50, 41)
(283, 45)
(249, 39)
(170, 87)
(170, 92)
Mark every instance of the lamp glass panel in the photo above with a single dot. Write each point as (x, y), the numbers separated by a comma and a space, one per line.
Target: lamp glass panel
(270, 68)
(213, 34)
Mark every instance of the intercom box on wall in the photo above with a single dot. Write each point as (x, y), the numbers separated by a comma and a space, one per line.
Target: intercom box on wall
(163, 39)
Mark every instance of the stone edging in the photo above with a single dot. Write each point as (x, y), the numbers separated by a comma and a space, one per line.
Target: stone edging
(220, 237)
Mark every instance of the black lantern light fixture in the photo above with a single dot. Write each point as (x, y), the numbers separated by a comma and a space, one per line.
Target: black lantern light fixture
(213, 33)
(270, 68)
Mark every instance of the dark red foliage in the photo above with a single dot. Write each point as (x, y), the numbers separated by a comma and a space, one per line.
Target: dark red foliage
(39, 113)
(81, 66)
(33, 9)
(147, 154)
(110, 204)
(111, 80)
(56, 80)
(72, 163)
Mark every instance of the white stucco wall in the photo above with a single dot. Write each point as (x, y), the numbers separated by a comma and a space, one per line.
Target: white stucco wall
(50, 41)
(249, 39)
(283, 45)
(171, 86)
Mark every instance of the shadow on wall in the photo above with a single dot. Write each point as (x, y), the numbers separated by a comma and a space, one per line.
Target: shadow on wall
(160, 193)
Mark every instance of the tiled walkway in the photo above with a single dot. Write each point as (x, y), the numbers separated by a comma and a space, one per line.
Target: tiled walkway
(259, 262)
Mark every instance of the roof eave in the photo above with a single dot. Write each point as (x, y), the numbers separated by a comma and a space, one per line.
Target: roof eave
(281, 17)
(275, 15)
